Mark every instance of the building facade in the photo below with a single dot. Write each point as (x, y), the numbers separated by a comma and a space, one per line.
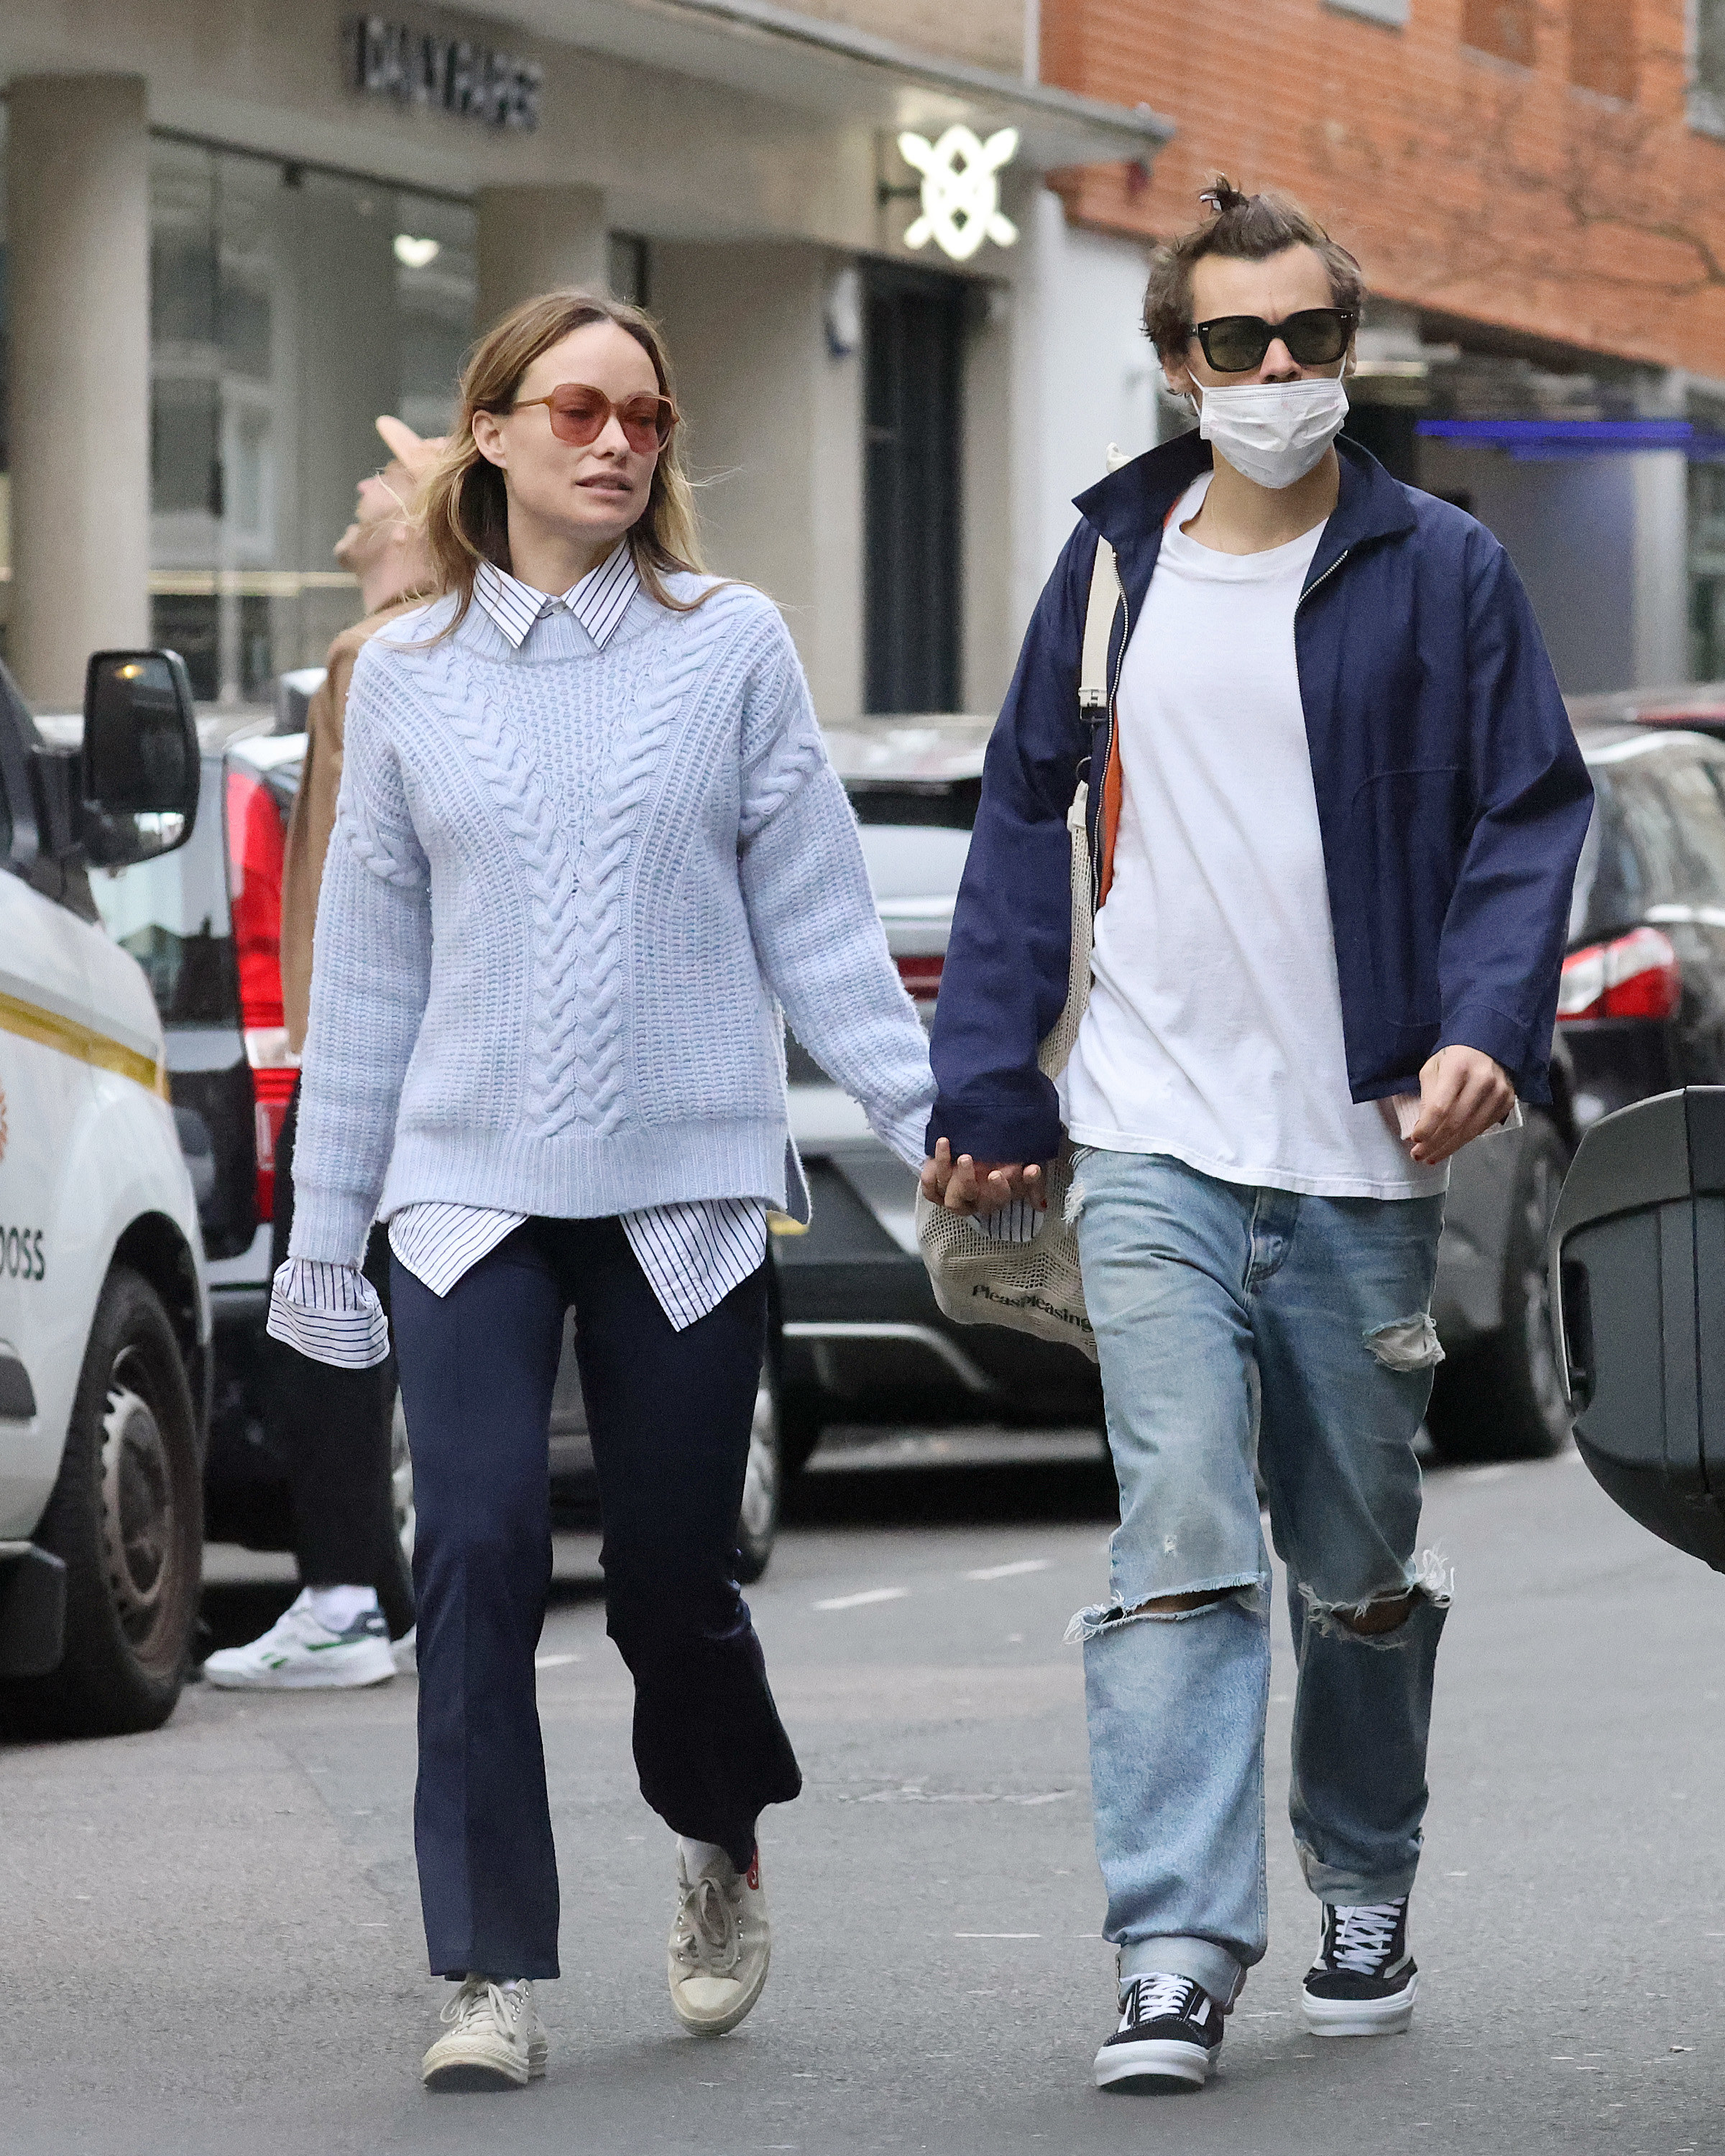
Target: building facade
(1536, 189)
(236, 230)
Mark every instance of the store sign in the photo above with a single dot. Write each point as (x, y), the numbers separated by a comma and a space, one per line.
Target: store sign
(448, 75)
(961, 190)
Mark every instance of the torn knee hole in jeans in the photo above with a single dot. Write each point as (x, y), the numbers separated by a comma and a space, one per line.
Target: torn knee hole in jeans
(1434, 1581)
(1111, 1616)
(1407, 1344)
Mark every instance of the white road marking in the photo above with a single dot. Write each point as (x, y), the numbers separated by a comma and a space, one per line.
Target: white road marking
(996, 1935)
(869, 1595)
(553, 1662)
(1010, 1571)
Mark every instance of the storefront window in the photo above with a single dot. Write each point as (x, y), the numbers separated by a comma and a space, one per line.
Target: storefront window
(288, 308)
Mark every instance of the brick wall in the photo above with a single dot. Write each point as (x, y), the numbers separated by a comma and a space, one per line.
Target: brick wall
(1505, 193)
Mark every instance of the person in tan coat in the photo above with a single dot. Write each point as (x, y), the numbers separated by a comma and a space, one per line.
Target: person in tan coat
(334, 1426)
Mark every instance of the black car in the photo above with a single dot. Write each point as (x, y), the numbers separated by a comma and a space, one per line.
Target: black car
(205, 922)
(1642, 1009)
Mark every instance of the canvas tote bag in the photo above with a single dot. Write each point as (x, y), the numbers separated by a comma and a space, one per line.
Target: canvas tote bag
(1036, 1287)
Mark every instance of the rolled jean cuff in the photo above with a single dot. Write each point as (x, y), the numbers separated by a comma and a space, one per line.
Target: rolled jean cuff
(1201, 1959)
(1344, 1889)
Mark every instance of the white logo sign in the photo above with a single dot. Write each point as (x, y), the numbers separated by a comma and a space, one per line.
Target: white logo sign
(961, 193)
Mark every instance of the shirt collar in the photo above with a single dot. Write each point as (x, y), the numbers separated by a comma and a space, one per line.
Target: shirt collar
(598, 601)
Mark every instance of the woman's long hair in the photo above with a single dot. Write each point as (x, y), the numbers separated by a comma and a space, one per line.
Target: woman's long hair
(463, 507)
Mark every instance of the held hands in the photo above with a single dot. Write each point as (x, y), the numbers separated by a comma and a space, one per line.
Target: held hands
(982, 1187)
(1462, 1095)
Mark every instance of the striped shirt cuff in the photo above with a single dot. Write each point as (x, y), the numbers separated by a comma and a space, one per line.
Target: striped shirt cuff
(330, 1312)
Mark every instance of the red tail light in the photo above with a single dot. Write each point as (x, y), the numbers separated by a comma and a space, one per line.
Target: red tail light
(922, 977)
(256, 850)
(1637, 976)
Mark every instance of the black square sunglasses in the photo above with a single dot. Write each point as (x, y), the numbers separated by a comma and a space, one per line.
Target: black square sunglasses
(1315, 337)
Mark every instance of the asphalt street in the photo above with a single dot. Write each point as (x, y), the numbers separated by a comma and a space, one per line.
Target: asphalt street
(213, 1940)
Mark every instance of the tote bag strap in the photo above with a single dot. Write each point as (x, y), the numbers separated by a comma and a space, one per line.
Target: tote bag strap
(1099, 616)
(1098, 627)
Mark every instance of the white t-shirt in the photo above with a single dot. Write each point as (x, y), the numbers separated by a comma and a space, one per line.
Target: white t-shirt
(1214, 1031)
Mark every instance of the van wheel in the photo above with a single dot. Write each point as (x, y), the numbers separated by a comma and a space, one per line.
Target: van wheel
(126, 1519)
(1502, 1398)
(762, 1483)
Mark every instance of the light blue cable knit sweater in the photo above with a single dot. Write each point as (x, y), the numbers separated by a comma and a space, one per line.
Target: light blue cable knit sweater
(565, 896)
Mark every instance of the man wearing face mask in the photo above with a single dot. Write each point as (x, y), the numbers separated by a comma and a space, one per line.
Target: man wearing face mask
(1335, 808)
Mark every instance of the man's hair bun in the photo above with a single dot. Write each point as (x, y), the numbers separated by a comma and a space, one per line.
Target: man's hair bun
(1221, 196)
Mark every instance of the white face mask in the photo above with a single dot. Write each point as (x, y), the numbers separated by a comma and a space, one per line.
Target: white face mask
(1273, 432)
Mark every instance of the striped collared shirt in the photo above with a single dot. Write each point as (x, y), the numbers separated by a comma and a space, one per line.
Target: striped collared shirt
(598, 601)
(693, 1254)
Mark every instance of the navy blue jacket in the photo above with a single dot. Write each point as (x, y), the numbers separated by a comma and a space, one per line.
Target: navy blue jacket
(1451, 798)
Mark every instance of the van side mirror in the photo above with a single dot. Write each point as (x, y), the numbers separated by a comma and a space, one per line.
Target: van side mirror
(140, 760)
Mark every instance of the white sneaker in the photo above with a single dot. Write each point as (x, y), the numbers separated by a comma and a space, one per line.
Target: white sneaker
(300, 1653)
(720, 1944)
(495, 2040)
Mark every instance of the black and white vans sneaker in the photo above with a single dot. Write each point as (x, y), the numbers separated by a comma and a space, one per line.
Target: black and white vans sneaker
(1170, 2036)
(1364, 1980)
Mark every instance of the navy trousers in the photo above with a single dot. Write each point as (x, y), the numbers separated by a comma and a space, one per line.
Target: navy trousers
(670, 1414)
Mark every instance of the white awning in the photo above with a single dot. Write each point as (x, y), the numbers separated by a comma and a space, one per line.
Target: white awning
(756, 46)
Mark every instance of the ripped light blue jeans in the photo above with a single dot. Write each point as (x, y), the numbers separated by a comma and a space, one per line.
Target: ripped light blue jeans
(1232, 1322)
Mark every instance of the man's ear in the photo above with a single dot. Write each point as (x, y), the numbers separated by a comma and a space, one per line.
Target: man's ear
(1178, 378)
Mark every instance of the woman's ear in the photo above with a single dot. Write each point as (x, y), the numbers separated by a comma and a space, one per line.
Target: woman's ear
(488, 440)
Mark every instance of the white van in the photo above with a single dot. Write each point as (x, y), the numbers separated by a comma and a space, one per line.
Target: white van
(103, 1309)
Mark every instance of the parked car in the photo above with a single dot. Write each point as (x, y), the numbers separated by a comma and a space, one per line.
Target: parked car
(1695, 707)
(205, 926)
(1642, 1009)
(863, 1341)
(103, 1309)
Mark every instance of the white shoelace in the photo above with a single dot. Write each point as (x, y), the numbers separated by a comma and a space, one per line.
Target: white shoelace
(1156, 1995)
(707, 1932)
(478, 1999)
(1363, 1937)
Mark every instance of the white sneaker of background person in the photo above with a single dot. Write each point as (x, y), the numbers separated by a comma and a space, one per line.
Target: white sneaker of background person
(720, 1939)
(330, 1639)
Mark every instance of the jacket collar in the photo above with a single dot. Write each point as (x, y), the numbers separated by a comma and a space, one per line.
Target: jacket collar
(1131, 505)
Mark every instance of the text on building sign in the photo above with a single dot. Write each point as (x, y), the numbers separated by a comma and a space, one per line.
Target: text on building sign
(451, 75)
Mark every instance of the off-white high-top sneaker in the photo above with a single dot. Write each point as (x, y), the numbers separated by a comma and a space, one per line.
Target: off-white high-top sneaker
(720, 1942)
(495, 2039)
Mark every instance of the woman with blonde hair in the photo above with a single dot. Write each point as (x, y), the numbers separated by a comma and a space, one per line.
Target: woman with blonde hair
(588, 843)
